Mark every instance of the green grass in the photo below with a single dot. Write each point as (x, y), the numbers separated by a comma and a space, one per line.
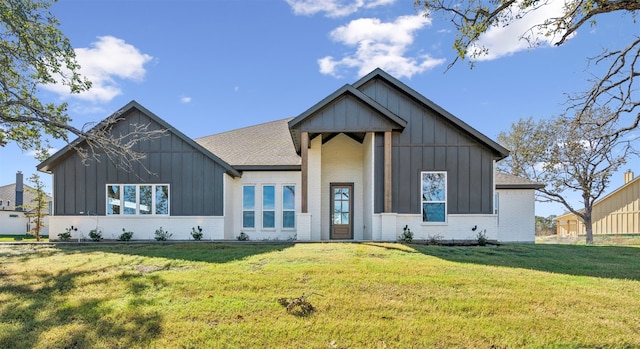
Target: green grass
(369, 295)
(22, 237)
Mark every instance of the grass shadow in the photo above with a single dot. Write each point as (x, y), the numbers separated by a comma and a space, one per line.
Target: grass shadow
(618, 262)
(210, 252)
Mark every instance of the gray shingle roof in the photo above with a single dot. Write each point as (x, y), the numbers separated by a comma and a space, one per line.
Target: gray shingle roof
(509, 181)
(268, 144)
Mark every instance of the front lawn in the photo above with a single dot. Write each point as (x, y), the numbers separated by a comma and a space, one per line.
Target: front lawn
(368, 295)
(22, 237)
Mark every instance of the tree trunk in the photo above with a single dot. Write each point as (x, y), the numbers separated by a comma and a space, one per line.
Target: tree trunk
(588, 226)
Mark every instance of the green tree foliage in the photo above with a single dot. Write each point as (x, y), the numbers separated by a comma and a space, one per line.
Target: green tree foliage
(546, 225)
(569, 155)
(34, 52)
(616, 88)
(38, 208)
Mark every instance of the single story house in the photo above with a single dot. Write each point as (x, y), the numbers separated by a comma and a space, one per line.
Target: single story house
(365, 162)
(15, 199)
(616, 213)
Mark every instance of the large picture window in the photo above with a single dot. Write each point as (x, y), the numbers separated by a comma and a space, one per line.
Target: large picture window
(248, 206)
(434, 196)
(268, 206)
(289, 206)
(137, 199)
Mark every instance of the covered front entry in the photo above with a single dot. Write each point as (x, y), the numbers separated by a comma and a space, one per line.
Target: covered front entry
(341, 211)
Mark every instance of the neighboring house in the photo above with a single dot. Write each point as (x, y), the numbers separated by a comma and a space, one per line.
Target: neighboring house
(616, 213)
(15, 200)
(363, 163)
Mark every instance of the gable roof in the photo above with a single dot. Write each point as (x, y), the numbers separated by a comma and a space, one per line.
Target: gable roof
(378, 73)
(266, 145)
(390, 120)
(509, 181)
(53, 160)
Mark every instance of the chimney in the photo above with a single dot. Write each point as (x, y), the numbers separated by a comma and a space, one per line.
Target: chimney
(19, 192)
(628, 176)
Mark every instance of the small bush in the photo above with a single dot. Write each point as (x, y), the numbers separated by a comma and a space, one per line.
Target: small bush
(162, 235)
(434, 239)
(481, 238)
(95, 235)
(243, 237)
(196, 234)
(66, 236)
(125, 236)
(407, 235)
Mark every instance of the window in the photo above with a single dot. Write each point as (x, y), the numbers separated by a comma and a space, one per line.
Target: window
(268, 206)
(434, 196)
(289, 206)
(248, 206)
(134, 199)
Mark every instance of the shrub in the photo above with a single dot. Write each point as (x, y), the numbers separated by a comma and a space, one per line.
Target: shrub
(66, 236)
(125, 236)
(95, 235)
(243, 237)
(481, 238)
(407, 235)
(434, 239)
(162, 235)
(196, 234)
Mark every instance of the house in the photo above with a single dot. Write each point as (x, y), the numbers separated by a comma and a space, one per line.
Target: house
(616, 213)
(14, 201)
(368, 160)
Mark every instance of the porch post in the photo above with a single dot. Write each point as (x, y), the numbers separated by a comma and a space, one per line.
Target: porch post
(304, 152)
(387, 171)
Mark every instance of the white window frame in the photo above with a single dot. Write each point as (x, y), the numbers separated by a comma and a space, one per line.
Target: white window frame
(289, 209)
(422, 201)
(120, 199)
(273, 209)
(249, 210)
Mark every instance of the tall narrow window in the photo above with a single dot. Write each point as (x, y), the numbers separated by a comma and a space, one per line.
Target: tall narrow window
(434, 196)
(113, 199)
(162, 199)
(248, 206)
(289, 206)
(130, 201)
(146, 200)
(268, 206)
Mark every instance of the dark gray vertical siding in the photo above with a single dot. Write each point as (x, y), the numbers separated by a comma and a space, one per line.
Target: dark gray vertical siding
(430, 143)
(195, 179)
(347, 114)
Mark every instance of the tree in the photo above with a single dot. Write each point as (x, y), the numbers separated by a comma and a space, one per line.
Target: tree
(546, 225)
(570, 155)
(38, 208)
(34, 52)
(616, 88)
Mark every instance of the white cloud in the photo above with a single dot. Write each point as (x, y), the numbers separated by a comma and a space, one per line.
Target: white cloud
(521, 34)
(334, 8)
(380, 45)
(185, 99)
(104, 63)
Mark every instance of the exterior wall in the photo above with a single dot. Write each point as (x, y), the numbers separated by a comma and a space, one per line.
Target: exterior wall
(342, 162)
(458, 227)
(16, 223)
(143, 227)
(230, 213)
(260, 178)
(618, 213)
(430, 143)
(516, 215)
(196, 181)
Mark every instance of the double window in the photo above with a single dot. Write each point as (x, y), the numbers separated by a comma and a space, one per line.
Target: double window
(434, 196)
(137, 199)
(269, 206)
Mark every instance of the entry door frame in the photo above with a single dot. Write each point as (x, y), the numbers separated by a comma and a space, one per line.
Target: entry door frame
(332, 186)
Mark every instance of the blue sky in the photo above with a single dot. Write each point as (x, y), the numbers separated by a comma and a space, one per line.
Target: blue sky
(212, 66)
